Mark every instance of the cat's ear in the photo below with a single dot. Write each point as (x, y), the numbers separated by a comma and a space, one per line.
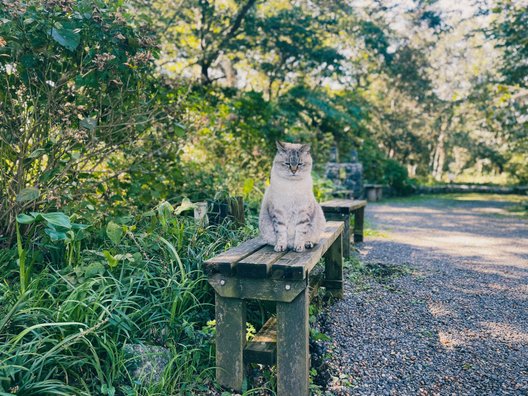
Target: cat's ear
(280, 146)
(305, 148)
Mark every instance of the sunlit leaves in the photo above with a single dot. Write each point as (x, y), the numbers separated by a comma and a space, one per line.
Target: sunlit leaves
(114, 232)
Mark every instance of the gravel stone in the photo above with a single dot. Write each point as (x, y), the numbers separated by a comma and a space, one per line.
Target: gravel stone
(454, 321)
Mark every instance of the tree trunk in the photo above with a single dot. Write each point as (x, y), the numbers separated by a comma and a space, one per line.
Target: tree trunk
(439, 157)
(439, 154)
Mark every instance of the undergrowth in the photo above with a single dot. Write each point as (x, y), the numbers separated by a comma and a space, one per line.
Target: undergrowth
(361, 273)
(134, 279)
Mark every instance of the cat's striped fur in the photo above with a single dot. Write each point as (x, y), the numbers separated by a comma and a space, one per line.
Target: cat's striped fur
(289, 216)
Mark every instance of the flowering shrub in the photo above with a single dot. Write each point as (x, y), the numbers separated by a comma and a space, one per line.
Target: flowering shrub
(74, 86)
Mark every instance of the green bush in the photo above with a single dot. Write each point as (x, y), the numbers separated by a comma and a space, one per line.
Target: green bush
(396, 176)
(75, 86)
(136, 279)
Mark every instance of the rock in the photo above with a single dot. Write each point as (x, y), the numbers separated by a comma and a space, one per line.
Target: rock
(146, 362)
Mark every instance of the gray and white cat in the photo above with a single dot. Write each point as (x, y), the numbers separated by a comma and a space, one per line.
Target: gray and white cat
(289, 216)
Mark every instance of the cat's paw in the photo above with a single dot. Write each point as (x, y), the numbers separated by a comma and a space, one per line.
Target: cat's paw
(299, 248)
(309, 245)
(280, 247)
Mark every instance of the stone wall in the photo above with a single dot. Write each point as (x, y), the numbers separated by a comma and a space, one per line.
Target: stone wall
(347, 177)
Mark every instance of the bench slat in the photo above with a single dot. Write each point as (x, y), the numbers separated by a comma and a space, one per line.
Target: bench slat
(262, 348)
(295, 266)
(259, 263)
(256, 289)
(225, 262)
(343, 205)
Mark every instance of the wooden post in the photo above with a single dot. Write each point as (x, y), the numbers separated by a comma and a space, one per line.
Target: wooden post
(345, 218)
(236, 210)
(293, 358)
(359, 217)
(230, 341)
(200, 214)
(334, 268)
(371, 194)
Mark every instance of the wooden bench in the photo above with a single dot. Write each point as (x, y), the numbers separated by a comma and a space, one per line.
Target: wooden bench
(254, 271)
(373, 192)
(342, 209)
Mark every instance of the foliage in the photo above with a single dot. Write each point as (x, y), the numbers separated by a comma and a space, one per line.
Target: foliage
(109, 107)
(75, 87)
(396, 176)
(69, 324)
(510, 29)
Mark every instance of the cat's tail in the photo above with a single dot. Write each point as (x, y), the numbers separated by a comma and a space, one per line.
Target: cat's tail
(266, 227)
(318, 224)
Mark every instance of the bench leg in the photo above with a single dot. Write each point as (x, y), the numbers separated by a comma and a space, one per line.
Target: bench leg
(345, 218)
(292, 346)
(346, 236)
(230, 341)
(359, 219)
(334, 268)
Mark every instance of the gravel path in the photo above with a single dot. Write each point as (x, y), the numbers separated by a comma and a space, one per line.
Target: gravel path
(456, 322)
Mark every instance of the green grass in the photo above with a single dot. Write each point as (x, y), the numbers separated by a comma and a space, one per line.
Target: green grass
(514, 198)
(137, 279)
(518, 203)
(361, 274)
(63, 329)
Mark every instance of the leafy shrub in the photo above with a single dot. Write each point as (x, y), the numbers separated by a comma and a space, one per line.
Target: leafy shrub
(516, 166)
(396, 176)
(74, 86)
(137, 279)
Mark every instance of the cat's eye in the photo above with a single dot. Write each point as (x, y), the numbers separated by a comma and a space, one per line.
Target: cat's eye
(286, 164)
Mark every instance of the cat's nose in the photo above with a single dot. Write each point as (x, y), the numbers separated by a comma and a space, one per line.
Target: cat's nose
(294, 169)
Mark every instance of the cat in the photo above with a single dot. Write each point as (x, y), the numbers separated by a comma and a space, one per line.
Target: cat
(290, 217)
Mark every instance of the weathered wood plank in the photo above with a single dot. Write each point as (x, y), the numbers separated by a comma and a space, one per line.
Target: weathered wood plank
(345, 218)
(293, 357)
(259, 263)
(225, 262)
(256, 289)
(359, 219)
(262, 348)
(342, 205)
(230, 315)
(295, 266)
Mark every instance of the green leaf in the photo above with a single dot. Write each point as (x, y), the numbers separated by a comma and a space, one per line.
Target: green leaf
(58, 219)
(114, 232)
(185, 205)
(94, 269)
(25, 219)
(123, 257)
(77, 227)
(55, 235)
(111, 260)
(89, 123)
(248, 186)
(37, 153)
(28, 194)
(67, 37)
(165, 209)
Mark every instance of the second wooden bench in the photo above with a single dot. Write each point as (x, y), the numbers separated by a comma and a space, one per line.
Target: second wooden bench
(343, 209)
